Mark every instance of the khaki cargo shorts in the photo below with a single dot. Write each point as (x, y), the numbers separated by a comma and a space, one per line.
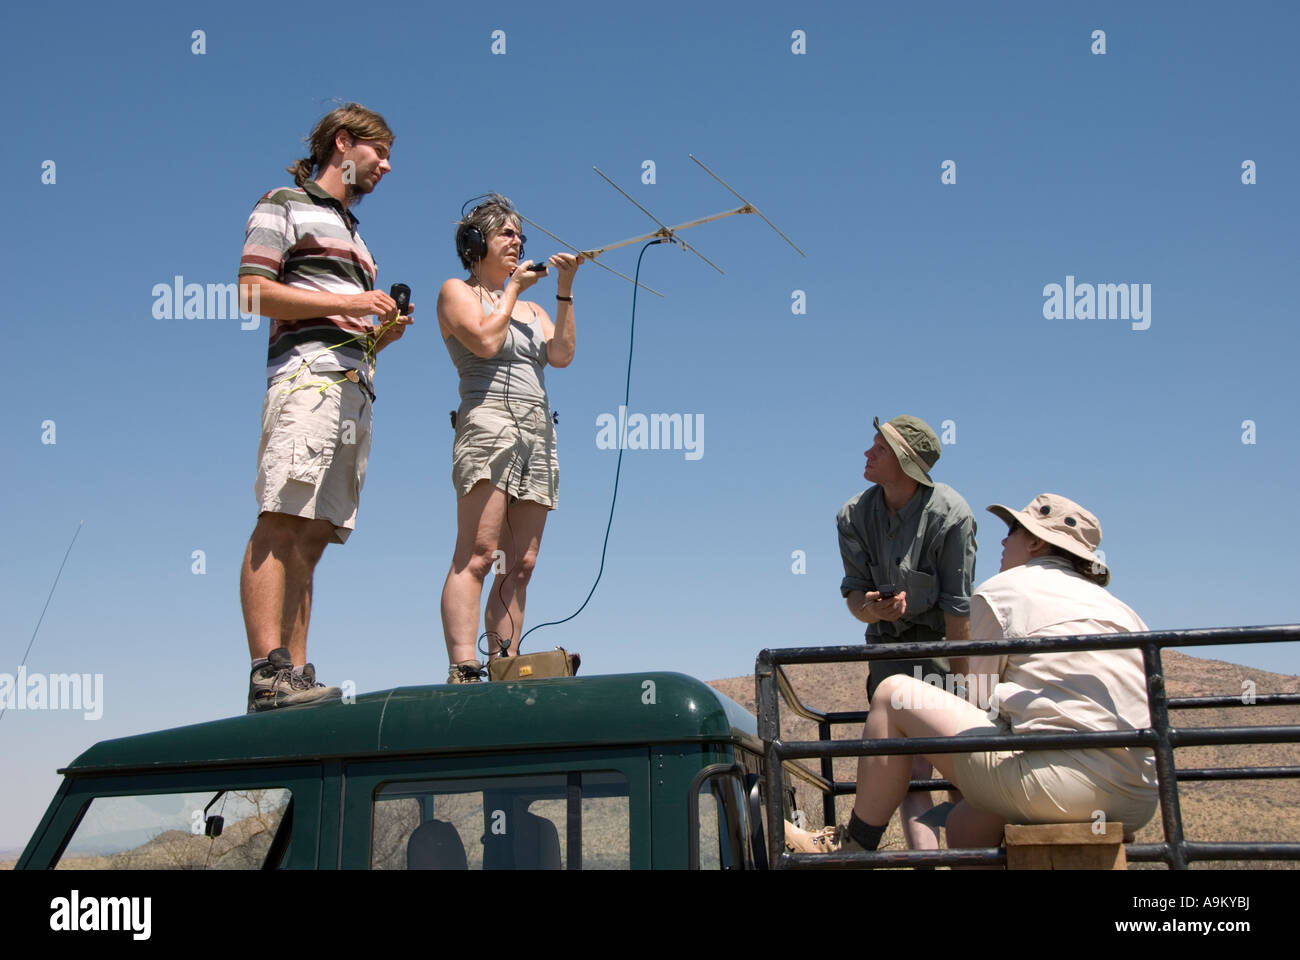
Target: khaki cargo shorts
(1045, 786)
(515, 453)
(312, 459)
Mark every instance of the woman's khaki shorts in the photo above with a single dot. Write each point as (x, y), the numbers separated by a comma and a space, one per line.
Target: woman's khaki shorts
(515, 453)
(1045, 786)
(1042, 786)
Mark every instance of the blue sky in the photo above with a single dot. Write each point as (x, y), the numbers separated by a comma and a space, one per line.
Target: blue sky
(922, 297)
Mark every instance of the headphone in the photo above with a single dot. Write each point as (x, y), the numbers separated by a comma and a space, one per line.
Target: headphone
(471, 245)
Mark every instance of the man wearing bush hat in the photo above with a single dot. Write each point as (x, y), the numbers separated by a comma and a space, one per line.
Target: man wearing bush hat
(910, 534)
(908, 547)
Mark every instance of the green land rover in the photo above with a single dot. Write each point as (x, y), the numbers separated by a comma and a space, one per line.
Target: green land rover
(653, 770)
(634, 771)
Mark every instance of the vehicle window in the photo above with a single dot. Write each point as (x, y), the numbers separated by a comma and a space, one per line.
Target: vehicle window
(753, 765)
(562, 821)
(166, 831)
(722, 828)
(710, 810)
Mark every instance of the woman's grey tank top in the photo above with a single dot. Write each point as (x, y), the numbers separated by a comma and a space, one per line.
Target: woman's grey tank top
(517, 366)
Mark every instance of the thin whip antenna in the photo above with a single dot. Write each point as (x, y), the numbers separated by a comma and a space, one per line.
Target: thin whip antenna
(534, 223)
(664, 231)
(749, 207)
(41, 618)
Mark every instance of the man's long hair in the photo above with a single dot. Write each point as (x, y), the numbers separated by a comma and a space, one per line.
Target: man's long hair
(363, 124)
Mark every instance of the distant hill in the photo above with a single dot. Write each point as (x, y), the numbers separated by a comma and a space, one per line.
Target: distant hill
(1228, 811)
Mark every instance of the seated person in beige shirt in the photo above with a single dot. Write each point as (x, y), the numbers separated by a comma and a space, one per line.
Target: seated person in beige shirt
(1052, 584)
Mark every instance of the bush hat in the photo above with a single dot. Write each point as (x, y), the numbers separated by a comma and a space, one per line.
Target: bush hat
(1062, 523)
(914, 443)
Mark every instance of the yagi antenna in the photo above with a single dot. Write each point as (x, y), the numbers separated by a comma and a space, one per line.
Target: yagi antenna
(534, 223)
(666, 232)
(747, 208)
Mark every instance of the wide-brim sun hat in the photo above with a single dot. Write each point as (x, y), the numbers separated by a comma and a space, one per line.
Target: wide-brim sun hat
(1062, 523)
(914, 443)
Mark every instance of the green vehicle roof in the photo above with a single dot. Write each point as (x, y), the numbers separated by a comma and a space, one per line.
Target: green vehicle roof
(468, 718)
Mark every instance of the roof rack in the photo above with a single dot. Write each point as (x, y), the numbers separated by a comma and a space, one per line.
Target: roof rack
(774, 685)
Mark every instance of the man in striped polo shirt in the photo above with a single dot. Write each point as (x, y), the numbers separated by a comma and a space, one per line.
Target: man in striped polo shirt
(315, 280)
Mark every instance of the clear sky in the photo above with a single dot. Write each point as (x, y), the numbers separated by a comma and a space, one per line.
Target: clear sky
(921, 296)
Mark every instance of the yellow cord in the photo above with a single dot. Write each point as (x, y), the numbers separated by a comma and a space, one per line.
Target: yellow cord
(371, 337)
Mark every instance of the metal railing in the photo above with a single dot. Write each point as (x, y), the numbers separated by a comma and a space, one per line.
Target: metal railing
(773, 685)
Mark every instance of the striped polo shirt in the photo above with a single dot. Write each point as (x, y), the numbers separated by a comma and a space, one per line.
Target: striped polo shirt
(303, 237)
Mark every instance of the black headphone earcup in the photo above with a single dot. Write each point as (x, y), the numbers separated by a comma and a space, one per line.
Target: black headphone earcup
(470, 243)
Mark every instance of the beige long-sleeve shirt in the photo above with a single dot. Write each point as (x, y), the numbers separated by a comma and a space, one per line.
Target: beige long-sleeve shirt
(1087, 690)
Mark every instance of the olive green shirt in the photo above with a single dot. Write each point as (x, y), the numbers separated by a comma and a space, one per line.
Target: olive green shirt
(927, 549)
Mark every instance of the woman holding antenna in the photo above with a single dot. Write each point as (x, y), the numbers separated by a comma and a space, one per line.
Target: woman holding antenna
(504, 466)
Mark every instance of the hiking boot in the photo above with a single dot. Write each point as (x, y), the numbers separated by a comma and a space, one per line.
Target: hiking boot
(274, 685)
(467, 671)
(825, 840)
